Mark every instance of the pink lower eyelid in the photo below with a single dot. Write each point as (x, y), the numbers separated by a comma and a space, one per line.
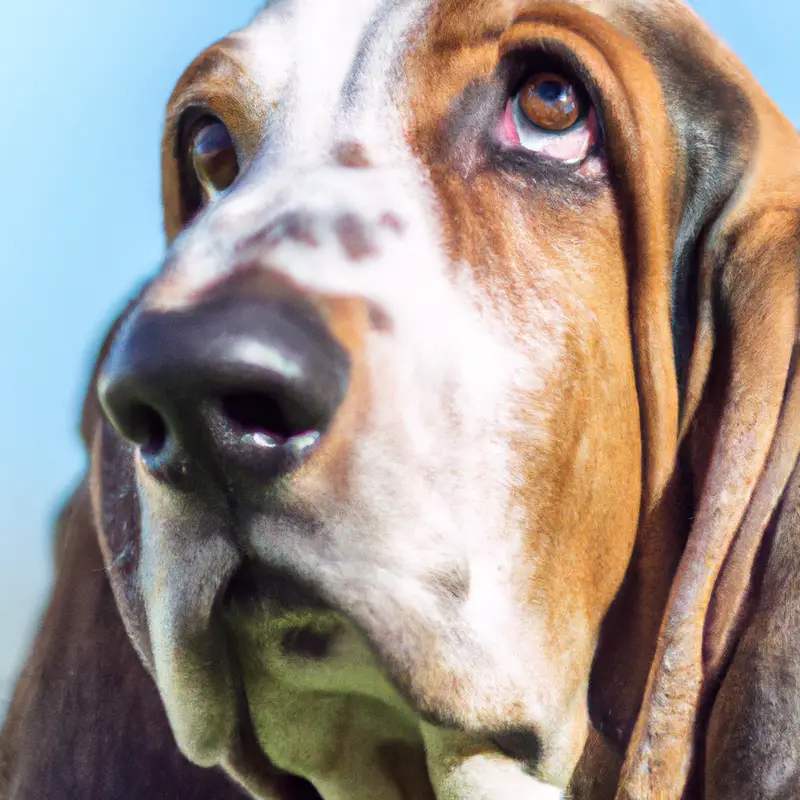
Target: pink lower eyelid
(576, 144)
(506, 131)
(572, 146)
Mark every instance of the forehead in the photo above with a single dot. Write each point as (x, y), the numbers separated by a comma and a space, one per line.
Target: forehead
(343, 30)
(312, 71)
(319, 61)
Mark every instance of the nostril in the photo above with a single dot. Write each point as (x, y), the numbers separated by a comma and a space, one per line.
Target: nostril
(146, 428)
(239, 389)
(257, 412)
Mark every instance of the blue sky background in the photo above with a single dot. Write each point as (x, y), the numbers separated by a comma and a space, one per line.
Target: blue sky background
(84, 84)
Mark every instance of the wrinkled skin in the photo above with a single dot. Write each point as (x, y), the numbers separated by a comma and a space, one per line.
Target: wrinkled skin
(521, 557)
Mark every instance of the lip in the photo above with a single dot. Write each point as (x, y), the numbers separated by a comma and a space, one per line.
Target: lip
(238, 750)
(245, 761)
(250, 590)
(208, 644)
(254, 585)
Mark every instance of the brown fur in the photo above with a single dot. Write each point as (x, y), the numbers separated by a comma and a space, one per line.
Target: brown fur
(690, 605)
(86, 719)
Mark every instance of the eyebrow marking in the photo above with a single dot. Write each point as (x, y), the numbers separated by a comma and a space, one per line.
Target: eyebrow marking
(376, 25)
(219, 55)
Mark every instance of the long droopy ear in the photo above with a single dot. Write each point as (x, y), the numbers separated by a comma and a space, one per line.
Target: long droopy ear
(707, 172)
(740, 421)
(85, 719)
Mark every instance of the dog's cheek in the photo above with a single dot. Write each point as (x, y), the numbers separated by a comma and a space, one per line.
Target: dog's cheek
(117, 518)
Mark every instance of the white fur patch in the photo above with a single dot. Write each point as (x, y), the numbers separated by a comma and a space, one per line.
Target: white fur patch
(433, 476)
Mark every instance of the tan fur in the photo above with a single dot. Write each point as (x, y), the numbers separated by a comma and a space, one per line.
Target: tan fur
(532, 512)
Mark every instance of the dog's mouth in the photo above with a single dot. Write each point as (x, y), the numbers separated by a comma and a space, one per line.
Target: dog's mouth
(296, 657)
(315, 708)
(278, 632)
(299, 662)
(255, 586)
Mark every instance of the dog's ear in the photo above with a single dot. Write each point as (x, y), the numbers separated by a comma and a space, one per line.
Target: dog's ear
(734, 309)
(85, 719)
(679, 138)
(707, 174)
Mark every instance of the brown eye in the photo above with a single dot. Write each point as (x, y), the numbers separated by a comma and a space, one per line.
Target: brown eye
(550, 102)
(213, 157)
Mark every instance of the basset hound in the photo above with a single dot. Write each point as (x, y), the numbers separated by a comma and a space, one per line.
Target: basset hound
(451, 453)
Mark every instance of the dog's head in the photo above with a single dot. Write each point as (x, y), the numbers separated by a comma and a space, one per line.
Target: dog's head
(379, 437)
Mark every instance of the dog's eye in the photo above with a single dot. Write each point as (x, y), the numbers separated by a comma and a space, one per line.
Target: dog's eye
(550, 115)
(550, 102)
(213, 157)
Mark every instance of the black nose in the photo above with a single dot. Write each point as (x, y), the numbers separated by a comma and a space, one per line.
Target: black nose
(240, 387)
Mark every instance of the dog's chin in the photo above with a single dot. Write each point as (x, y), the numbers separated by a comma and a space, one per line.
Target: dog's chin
(303, 661)
(314, 702)
(279, 683)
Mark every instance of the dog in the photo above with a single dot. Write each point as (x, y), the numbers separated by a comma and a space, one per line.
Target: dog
(451, 453)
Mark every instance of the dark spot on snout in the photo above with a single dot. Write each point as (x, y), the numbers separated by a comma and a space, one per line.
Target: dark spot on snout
(351, 154)
(355, 237)
(379, 319)
(392, 222)
(307, 643)
(294, 226)
(299, 228)
(263, 239)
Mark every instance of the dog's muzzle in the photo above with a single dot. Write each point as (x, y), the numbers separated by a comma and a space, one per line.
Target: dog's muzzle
(234, 389)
